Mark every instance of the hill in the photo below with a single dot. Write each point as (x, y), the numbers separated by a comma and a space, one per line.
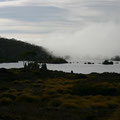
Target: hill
(12, 50)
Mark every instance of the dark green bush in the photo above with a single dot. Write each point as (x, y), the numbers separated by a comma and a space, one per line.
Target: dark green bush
(94, 89)
(5, 101)
(28, 98)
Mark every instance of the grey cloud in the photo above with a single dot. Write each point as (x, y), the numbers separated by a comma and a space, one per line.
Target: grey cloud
(33, 13)
(23, 32)
(96, 10)
(79, 28)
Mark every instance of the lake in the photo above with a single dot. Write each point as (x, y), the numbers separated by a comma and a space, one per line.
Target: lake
(75, 67)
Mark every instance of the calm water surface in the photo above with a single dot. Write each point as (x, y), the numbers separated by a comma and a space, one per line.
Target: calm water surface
(76, 67)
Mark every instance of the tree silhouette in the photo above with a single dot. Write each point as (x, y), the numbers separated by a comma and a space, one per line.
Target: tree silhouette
(30, 60)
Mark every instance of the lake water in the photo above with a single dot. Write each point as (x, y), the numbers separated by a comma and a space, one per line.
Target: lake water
(75, 67)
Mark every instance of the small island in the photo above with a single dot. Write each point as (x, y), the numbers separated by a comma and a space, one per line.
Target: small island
(108, 62)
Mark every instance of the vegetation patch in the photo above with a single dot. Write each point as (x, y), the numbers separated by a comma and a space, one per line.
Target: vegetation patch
(52, 95)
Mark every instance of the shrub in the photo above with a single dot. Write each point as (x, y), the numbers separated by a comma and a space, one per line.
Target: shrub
(39, 81)
(84, 89)
(4, 88)
(5, 101)
(36, 84)
(21, 82)
(70, 105)
(55, 102)
(9, 95)
(12, 90)
(28, 98)
(52, 92)
(99, 105)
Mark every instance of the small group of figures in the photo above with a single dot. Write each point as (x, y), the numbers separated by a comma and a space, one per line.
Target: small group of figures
(35, 66)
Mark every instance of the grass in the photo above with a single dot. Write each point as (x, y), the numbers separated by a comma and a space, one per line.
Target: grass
(50, 95)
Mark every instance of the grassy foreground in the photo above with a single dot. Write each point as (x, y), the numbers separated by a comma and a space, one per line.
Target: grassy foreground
(52, 95)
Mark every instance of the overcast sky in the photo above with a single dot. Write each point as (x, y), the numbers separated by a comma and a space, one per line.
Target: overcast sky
(66, 27)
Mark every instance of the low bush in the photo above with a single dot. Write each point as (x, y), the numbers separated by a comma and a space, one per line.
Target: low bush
(5, 101)
(8, 95)
(55, 102)
(105, 89)
(28, 98)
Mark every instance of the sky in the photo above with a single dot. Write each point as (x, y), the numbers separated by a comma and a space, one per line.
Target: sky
(79, 28)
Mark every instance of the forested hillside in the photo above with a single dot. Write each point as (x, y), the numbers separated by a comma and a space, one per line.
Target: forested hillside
(13, 50)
